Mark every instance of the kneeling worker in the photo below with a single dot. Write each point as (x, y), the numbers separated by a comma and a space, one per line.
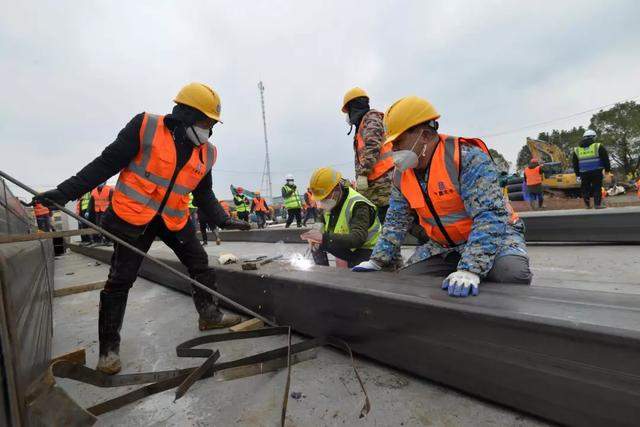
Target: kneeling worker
(350, 221)
(160, 160)
(451, 183)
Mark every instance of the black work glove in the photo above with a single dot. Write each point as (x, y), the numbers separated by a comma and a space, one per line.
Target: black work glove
(47, 197)
(236, 224)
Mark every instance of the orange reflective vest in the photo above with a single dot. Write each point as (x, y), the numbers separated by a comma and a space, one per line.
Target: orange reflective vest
(441, 209)
(142, 186)
(533, 176)
(225, 206)
(260, 205)
(385, 161)
(101, 198)
(40, 210)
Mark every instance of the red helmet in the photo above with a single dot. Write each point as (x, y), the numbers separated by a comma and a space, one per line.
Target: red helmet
(240, 190)
(534, 160)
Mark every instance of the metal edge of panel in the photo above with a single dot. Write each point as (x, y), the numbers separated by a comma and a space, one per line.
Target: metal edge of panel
(512, 362)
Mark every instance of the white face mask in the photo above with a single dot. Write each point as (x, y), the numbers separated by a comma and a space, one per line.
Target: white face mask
(407, 159)
(197, 135)
(327, 204)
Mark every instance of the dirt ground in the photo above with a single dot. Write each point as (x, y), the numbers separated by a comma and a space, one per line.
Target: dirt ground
(555, 203)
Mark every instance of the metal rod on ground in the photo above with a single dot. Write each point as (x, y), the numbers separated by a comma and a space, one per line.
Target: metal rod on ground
(142, 253)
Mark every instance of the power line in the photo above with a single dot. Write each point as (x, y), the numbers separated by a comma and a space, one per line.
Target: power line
(570, 116)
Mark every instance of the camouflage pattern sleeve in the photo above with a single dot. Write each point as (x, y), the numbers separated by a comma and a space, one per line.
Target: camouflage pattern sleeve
(399, 219)
(373, 135)
(484, 202)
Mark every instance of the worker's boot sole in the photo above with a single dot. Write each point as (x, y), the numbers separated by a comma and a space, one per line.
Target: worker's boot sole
(109, 364)
(226, 321)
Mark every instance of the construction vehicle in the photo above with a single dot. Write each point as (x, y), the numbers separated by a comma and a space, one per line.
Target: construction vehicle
(559, 178)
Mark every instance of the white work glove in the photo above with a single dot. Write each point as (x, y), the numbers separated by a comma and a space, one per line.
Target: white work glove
(367, 267)
(459, 283)
(362, 183)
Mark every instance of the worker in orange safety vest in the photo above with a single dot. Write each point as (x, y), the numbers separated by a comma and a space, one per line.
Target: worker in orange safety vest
(533, 177)
(160, 159)
(260, 208)
(98, 204)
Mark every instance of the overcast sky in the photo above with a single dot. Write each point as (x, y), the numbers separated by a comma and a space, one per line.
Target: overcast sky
(73, 73)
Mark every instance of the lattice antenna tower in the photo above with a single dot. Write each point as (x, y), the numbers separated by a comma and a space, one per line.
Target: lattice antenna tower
(266, 172)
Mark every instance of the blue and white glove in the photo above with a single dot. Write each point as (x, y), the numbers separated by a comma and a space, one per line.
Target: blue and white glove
(367, 267)
(460, 283)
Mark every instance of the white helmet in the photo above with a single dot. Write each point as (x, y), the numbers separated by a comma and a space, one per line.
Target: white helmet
(589, 133)
(288, 177)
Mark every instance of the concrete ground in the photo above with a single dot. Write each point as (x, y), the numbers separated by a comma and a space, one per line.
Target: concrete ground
(159, 318)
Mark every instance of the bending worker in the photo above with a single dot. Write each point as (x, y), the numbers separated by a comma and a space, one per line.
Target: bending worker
(589, 159)
(350, 222)
(451, 183)
(242, 204)
(161, 159)
(373, 162)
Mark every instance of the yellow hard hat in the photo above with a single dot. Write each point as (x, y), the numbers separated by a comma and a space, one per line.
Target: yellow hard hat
(323, 181)
(352, 94)
(405, 113)
(202, 98)
(257, 193)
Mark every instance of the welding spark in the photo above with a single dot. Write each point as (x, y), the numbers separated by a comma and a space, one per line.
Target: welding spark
(300, 262)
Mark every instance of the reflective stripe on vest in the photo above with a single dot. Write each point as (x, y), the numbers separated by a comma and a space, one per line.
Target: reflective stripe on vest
(533, 176)
(293, 200)
(40, 210)
(84, 201)
(440, 208)
(589, 158)
(260, 205)
(142, 186)
(385, 161)
(344, 219)
(101, 198)
(242, 203)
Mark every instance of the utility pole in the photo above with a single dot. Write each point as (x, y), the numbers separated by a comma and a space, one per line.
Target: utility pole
(266, 173)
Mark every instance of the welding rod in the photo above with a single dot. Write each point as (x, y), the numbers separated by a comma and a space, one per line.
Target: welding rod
(115, 238)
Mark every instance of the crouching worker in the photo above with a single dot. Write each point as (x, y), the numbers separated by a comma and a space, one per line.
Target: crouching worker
(160, 160)
(350, 225)
(451, 183)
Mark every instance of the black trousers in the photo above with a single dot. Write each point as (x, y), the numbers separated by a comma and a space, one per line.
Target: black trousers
(294, 213)
(203, 228)
(244, 216)
(98, 238)
(310, 213)
(44, 223)
(353, 258)
(591, 185)
(125, 263)
(262, 219)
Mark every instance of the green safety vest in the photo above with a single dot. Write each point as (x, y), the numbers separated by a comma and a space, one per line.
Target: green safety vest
(589, 158)
(241, 203)
(191, 201)
(84, 201)
(342, 225)
(293, 201)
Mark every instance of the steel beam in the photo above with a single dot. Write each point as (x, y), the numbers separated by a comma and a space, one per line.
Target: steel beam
(570, 356)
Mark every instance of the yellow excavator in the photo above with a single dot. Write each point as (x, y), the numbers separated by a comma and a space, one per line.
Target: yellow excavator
(559, 178)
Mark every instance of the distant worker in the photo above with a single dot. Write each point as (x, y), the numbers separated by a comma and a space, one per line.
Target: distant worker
(160, 160)
(260, 208)
(590, 158)
(43, 217)
(82, 209)
(242, 204)
(533, 177)
(350, 223)
(292, 202)
(451, 183)
(98, 204)
(311, 210)
(373, 162)
(638, 187)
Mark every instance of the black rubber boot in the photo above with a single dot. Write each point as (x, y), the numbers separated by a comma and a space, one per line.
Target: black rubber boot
(207, 305)
(111, 315)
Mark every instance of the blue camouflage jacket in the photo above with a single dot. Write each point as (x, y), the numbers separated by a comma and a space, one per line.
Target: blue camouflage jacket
(492, 234)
